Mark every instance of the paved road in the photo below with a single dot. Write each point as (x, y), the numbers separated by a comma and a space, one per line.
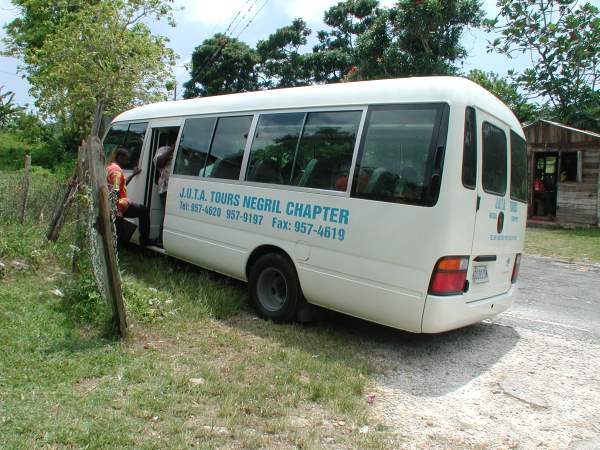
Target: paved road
(557, 297)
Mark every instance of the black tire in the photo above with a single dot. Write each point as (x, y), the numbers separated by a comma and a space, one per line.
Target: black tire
(274, 288)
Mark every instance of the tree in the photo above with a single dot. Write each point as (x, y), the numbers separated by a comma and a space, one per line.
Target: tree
(508, 92)
(280, 62)
(363, 41)
(8, 109)
(38, 19)
(338, 50)
(91, 56)
(418, 38)
(222, 64)
(412, 38)
(562, 39)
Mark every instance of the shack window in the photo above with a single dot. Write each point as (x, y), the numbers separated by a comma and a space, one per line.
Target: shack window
(568, 167)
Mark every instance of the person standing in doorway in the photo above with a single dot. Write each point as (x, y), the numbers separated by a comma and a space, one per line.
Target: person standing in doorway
(163, 160)
(117, 182)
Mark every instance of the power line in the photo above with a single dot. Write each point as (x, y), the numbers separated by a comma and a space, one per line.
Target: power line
(209, 59)
(231, 27)
(244, 15)
(253, 17)
(10, 73)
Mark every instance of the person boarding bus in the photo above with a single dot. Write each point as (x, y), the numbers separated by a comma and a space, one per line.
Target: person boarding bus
(117, 183)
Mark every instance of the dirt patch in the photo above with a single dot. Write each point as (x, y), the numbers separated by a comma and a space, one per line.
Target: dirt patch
(88, 385)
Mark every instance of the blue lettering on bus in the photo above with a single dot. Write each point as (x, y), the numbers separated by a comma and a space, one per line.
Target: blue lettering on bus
(248, 209)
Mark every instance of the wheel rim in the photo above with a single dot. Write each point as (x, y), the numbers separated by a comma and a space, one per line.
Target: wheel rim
(272, 289)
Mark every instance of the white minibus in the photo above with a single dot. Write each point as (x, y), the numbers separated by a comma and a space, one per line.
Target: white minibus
(400, 201)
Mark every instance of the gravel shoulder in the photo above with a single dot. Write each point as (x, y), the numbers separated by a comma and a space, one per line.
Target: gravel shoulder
(529, 378)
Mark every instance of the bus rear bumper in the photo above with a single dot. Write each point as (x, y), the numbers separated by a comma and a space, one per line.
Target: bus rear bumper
(448, 313)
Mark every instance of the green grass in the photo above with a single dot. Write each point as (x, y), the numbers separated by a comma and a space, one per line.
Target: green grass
(581, 244)
(63, 383)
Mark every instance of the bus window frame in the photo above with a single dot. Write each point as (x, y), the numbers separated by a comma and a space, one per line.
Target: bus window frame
(128, 123)
(513, 198)
(439, 138)
(251, 134)
(502, 127)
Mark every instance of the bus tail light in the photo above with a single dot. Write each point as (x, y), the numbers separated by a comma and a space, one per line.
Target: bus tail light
(516, 268)
(449, 276)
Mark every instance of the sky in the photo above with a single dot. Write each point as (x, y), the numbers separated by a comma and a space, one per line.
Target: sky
(199, 19)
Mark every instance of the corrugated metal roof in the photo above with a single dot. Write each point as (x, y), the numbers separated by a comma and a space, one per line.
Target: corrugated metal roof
(565, 127)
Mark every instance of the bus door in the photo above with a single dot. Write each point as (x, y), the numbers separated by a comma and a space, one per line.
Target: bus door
(493, 240)
(160, 137)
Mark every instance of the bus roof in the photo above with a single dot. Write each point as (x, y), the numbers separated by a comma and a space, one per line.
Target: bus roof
(399, 90)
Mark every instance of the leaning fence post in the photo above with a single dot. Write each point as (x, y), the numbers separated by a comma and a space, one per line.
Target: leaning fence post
(110, 275)
(80, 173)
(69, 195)
(25, 188)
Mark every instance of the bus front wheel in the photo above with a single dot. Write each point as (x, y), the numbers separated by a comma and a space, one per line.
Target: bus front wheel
(274, 288)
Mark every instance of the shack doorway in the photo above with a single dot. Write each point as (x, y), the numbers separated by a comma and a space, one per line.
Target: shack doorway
(545, 179)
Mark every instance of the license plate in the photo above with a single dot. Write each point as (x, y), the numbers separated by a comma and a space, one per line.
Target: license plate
(480, 274)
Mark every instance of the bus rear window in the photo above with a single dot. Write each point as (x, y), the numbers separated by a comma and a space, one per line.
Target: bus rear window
(494, 159)
(518, 168)
(398, 154)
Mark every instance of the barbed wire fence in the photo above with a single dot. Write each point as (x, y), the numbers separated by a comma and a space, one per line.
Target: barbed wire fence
(43, 201)
(42, 194)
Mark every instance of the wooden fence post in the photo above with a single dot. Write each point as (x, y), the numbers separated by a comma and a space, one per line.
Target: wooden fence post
(110, 276)
(598, 197)
(25, 188)
(72, 188)
(80, 173)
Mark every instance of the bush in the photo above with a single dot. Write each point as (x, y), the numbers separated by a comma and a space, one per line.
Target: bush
(83, 300)
(13, 149)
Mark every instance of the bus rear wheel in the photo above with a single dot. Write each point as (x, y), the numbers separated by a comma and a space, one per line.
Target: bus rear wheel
(274, 288)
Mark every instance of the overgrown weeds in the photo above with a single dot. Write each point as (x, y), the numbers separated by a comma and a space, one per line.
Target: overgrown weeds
(199, 369)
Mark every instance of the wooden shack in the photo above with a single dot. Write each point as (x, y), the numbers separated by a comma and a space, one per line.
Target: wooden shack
(564, 168)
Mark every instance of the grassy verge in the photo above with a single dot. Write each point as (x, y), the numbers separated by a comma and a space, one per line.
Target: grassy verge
(575, 245)
(199, 370)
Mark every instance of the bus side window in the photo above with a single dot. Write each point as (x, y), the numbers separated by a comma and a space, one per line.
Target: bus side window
(135, 141)
(494, 159)
(312, 150)
(325, 151)
(114, 138)
(274, 147)
(397, 154)
(193, 146)
(518, 168)
(469, 167)
(227, 150)
(130, 136)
